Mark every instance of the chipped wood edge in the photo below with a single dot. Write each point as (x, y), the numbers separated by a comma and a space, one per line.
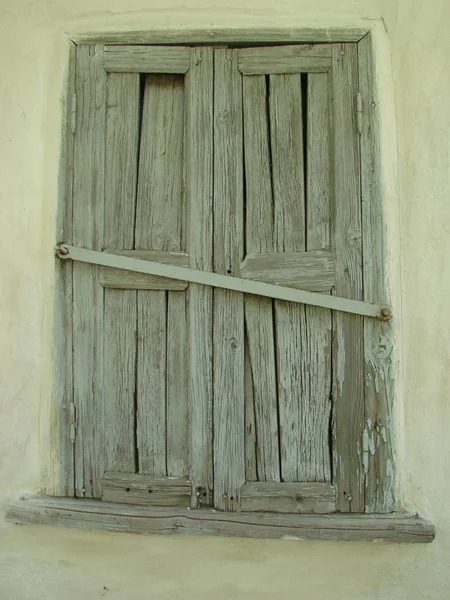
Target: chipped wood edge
(94, 514)
(62, 466)
(223, 36)
(379, 349)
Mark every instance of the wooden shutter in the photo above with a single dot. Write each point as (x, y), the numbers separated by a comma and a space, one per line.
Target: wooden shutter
(287, 210)
(245, 162)
(141, 189)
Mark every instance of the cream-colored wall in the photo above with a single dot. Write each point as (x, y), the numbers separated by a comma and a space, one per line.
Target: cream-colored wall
(413, 51)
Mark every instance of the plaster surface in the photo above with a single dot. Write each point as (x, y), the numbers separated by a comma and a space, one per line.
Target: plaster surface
(413, 53)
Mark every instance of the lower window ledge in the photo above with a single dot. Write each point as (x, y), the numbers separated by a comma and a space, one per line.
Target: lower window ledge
(95, 514)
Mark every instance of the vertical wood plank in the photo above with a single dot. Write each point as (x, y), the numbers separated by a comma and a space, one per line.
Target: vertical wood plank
(177, 400)
(261, 385)
(88, 205)
(159, 226)
(151, 383)
(120, 318)
(229, 407)
(316, 336)
(378, 336)
(286, 129)
(199, 182)
(62, 466)
(348, 385)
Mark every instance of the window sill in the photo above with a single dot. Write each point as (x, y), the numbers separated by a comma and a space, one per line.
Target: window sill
(94, 514)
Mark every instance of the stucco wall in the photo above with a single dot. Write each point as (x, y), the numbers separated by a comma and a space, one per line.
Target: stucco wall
(413, 48)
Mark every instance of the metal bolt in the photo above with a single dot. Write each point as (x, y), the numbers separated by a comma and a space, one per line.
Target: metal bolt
(385, 312)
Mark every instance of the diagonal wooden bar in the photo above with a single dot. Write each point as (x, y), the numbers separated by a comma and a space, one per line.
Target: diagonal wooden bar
(226, 282)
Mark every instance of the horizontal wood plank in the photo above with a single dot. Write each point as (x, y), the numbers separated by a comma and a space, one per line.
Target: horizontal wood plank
(311, 271)
(129, 280)
(214, 36)
(284, 59)
(130, 488)
(93, 514)
(285, 497)
(146, 59)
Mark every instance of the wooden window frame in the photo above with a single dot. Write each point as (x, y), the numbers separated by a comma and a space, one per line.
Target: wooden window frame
(378, 466)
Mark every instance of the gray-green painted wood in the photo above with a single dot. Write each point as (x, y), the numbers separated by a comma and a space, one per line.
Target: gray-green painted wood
(312, 498)
(88, 309)
(118, 278)
(348, 359)
(313, 271)
(316, 335)
(88, 514)
(223, 36)
(285, 59)
(117, 423)
(261, 443)
(62, 466)
(378, 337)
(146, 59)
(285, 109)
(144, 490)
(229, 407)
(198, 182)
(160, 226)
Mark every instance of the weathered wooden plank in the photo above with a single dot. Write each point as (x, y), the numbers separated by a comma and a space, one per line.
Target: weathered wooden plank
(260, 373)
(251, 468)
(316, 335)
(312, 498)
(284, 59)
(348, 359)
(229, 407)
(201, 36)
(151, 383)
(62, 467)
(129, 488)
(286, 127)
(198, 183)
(127, 280)
(146, 59)
(88, 206)
(120, 317)
(177, 400)
(159, 226)
(118, 278)
(312, 271)
(378, 337)
(159, 221)
(89, 514)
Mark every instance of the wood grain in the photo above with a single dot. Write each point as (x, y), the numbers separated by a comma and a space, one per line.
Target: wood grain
(284, 59)
(260, 374)
(309, 498)
(378, 336)
(160, 226)
(312, 271)
(120, 316)
(348, 359)
(118, 278)
(198, 182)
(289, 235)
(279, 35)
(144, 490)
(62, 465)
(146, 59)
(88, 207)
(88, 514)
(316, 335)
(229, 407)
